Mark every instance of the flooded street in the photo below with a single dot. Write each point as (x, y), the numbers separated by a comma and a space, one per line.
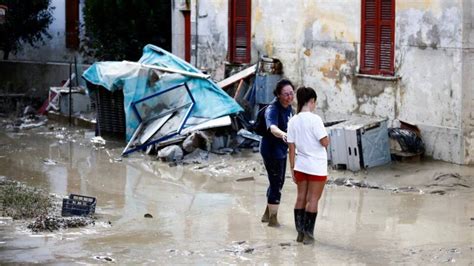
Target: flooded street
(209, 213)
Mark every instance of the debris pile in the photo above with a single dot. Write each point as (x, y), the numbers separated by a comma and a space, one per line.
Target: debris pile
(171, 108)
(53, 223)
(22, 203)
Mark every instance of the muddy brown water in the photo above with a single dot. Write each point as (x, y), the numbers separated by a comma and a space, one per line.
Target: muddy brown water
(209, 213)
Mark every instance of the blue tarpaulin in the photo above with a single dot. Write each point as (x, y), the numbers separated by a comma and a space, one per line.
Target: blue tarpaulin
(138, 81)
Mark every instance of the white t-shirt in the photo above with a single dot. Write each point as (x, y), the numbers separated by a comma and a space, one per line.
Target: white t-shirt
(305, 130)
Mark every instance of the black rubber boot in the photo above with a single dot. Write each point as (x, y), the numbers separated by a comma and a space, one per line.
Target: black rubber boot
(266, 216)
(299, 224)
(309, 221)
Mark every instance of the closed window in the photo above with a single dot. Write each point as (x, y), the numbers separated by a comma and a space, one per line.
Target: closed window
(239, 31)
(378, 35)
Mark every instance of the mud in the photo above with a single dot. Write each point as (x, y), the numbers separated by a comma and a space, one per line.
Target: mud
(208, 210)
(53, 223)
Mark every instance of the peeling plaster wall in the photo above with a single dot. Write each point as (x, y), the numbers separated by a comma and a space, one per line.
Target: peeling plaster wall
(54, 49)
(468, 83)
(177, 34)
(211, 25)
(318, 42)
(430, 62)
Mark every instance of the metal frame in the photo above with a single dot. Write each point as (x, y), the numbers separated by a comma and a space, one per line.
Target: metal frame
(180, 128)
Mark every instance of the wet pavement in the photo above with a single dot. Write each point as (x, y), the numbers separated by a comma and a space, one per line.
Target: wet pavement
(209, 213)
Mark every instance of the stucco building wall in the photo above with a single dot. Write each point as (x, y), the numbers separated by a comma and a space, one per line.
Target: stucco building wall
(319, 45)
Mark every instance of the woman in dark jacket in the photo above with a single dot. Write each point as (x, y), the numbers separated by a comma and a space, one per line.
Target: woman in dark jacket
(274, 148)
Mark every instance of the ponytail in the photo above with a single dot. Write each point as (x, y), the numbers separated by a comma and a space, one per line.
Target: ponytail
(303, 95)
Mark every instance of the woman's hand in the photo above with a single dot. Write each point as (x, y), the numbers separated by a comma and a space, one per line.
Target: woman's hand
(278, 132)
(293, 176)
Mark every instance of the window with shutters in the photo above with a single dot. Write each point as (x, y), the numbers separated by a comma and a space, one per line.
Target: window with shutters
(72, 24)
(378, 35)
(239, 31)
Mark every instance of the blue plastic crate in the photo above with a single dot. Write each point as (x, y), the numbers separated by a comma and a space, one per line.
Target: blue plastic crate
(78, 205)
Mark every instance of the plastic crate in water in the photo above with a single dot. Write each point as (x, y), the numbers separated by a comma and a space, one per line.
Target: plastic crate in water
(78, 205)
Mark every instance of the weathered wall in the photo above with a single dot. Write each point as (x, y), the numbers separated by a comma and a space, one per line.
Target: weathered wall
(429, 60)
(468, 82)
(318, 42)
(311, 38)
(34, 78)
(212, 27)
(54, 49)
(209, 29)
(177, 34)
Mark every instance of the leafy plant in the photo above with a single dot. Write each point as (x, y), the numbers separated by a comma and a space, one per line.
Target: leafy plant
(119, 29)
(26, 22)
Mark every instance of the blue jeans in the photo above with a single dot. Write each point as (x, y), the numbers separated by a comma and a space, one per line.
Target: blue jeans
(276, 169)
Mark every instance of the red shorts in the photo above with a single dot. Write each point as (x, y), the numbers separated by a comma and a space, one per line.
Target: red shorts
(300, 176)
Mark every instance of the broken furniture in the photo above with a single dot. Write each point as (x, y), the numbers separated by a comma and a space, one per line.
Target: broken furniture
(161, 116)
(359, 143)
(80, 101)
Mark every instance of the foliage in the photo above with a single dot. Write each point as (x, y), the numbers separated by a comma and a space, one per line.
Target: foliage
(26, 22)
(119, 29)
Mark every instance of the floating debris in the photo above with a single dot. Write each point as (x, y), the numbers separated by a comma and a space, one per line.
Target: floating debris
(104, 258)
(408, 189)
(49, 162)
(240, 247)
(245, 179)
(349, 182)
(98, 140)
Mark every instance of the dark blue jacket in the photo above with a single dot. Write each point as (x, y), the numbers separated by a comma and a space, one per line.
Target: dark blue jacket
(272, 147)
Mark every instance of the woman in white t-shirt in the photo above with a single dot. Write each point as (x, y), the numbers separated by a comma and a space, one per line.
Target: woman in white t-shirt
(307, 140)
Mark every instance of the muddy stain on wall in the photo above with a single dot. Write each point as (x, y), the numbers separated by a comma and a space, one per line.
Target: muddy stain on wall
(424, 4)
(332, 69)
(341, 69)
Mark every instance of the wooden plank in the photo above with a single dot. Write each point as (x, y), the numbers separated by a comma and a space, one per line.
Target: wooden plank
(222, 121)
(238, 76)
(237, 92)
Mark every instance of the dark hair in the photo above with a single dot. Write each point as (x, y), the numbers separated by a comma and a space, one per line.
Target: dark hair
(280, 84)
(303, 95)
